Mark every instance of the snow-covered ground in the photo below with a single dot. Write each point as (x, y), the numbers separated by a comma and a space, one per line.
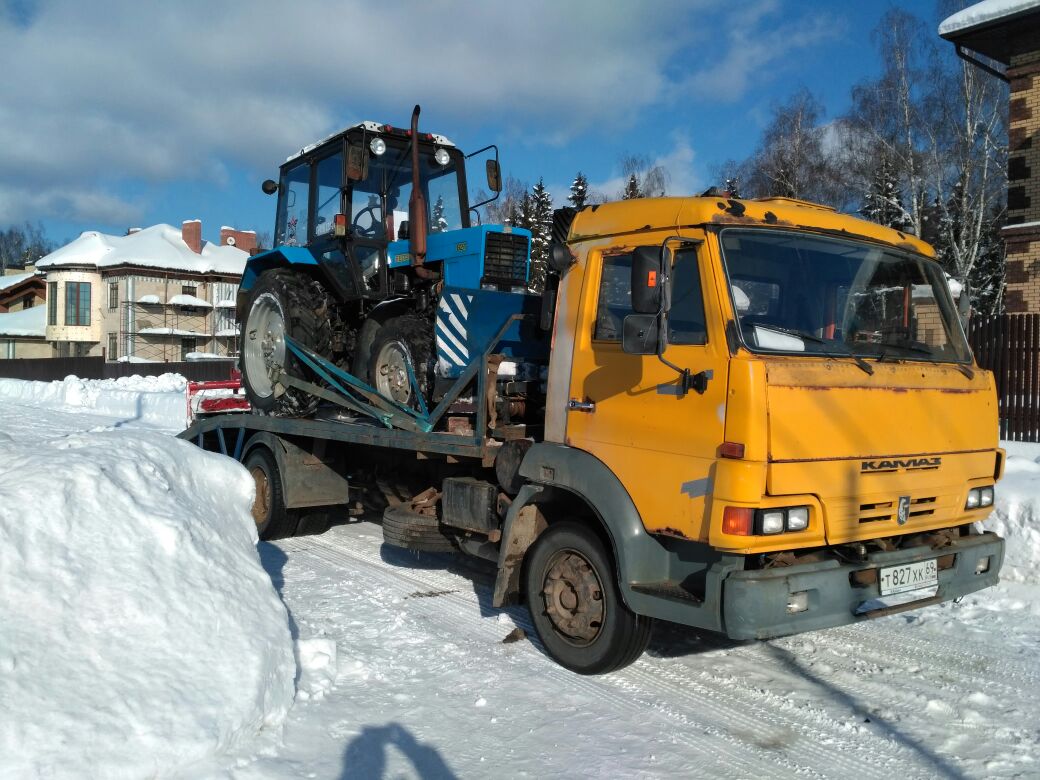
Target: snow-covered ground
(405, 670)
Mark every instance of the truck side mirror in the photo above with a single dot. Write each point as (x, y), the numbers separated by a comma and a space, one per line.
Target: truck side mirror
(494, 175)
(270, 186)
(647, 280)
(639, 334)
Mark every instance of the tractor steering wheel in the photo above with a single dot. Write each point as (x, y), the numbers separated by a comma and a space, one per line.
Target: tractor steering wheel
(372, 230)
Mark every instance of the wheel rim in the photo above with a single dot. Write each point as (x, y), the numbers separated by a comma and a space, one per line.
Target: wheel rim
(262, 499)
(263, 350)
(392, 372)
(573, 598)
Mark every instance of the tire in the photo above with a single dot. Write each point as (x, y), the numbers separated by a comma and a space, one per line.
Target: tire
(283, 303)
(403, 335)
(576, 605)
(412, 531)
(273, 520)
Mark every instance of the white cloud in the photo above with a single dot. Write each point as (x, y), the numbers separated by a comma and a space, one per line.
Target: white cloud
(113, 91)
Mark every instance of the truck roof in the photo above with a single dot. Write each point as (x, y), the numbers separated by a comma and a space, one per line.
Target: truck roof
(661, 213)
(372, 127)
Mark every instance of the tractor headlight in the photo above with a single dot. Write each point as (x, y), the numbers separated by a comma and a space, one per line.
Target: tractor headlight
(378, 146)
(441, 156)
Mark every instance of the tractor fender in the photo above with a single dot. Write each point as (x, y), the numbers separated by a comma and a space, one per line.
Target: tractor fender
(282, 257)
(554, 467)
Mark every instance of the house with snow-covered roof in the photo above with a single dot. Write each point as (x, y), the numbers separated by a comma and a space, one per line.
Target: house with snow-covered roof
(157, 294)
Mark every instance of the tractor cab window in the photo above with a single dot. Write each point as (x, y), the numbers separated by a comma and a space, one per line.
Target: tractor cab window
(291, 225)
(379, 203)
(329, 175)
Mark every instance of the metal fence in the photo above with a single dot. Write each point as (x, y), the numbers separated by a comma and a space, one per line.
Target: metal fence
(1009, 346)
(50, 369)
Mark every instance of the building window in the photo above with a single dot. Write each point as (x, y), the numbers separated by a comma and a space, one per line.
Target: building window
(188, 345)
(77, 303)
(52, 303)
(113, 346)
(188, 289)
(113, 295)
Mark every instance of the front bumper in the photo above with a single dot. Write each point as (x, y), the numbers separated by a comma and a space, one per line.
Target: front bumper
(755, 603)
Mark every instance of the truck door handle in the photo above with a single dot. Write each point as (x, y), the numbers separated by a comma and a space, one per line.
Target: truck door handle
(574, 405)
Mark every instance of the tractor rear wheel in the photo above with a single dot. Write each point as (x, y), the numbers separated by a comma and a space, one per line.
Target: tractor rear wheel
(283, 303)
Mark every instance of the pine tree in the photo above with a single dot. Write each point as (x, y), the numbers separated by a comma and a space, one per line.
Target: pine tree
(632, 188)
(541, 215)
(883, 203)
(438, 224)
(579, 191)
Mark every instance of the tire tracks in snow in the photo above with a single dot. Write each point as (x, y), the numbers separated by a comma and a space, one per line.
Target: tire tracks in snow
(804, 740)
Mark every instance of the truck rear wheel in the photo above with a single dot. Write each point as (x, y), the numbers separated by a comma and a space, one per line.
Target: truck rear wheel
(576, 605)
(283, 303)
(273, 520)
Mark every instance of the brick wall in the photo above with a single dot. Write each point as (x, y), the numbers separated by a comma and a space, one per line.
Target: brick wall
(1021, 236)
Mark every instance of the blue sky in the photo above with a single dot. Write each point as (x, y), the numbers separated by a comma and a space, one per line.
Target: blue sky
(120, 114)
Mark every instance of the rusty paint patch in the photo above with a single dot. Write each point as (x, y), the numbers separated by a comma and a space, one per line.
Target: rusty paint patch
(727, 219)
(771, 218)
(829, 388)
(736, 208)
(674, 532)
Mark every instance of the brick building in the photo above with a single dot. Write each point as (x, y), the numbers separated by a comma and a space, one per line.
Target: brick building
(1008, 33)
(154, 295)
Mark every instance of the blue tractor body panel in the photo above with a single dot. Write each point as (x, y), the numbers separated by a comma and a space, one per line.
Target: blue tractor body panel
(467, 318)
(279, 257)
(463, 253)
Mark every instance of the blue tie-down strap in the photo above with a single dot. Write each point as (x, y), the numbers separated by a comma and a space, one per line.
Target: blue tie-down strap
(370, 402)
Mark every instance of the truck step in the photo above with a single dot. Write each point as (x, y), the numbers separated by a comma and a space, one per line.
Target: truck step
(667, 589)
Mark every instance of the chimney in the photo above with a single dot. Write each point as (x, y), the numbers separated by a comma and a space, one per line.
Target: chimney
(242, 239)
(191, 233)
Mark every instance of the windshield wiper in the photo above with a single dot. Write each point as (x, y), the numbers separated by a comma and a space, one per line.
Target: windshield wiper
(845, 351)
(887, 356)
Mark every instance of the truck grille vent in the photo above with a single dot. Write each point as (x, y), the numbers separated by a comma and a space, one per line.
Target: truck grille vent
(505, 260)
(886, 510)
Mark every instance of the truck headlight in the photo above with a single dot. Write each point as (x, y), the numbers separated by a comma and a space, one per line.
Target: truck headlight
(979, 497)
(798, 518)
(779, 519)
(772, 521)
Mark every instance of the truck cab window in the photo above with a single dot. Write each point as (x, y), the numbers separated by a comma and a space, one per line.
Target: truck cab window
(615, 297)
(686, 319)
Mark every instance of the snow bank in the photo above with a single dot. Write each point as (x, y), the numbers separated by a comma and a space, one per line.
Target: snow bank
(138, 632)
(153, 400)
(1016, 513)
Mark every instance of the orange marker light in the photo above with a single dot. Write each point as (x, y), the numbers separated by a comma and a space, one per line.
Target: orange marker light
(737, 520)
(731, 449)
(651, 279)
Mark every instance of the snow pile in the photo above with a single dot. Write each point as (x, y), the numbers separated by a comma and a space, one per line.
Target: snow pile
(153, 400)
(1016, 514)
(138, 632)
(316, 659)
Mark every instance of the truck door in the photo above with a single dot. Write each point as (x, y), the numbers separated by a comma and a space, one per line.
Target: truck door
(625, 409)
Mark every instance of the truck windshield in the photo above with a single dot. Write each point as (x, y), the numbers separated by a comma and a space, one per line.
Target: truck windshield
(379, 204)
(802, 293)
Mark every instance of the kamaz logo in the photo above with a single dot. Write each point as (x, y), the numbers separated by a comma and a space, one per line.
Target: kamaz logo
(895, 465)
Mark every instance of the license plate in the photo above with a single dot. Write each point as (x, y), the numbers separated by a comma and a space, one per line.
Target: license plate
(909, 576)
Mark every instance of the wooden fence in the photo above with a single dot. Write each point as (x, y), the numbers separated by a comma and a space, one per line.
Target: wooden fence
(50, 369)
(1009, 346)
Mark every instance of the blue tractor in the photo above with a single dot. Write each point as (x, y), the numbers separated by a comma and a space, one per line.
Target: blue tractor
(380, 277)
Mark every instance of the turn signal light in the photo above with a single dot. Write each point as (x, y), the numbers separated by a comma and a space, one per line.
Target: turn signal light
(339, 225)
(731, 449)
(738, 520)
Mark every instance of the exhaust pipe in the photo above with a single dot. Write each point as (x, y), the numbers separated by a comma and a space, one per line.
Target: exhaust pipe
(417, 226)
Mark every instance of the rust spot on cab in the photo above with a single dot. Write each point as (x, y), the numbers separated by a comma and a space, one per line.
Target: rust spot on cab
(671, 532)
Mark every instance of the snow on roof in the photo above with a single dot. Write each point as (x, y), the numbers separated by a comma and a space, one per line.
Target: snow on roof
(12, 280)
(170, 332)
(986, 12)
(227, 303)
(189, 300)
(158, 246)
(28, 322)
(226, 332)
(372, 127)
(149, 299)
(205, 356)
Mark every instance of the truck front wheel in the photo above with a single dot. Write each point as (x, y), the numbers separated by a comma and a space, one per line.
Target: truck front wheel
(576, 605)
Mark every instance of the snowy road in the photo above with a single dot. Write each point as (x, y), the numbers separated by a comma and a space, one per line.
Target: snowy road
(426, 686)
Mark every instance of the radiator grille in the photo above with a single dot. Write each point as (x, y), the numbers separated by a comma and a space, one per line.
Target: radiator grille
(886, 510)
(505, 260)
